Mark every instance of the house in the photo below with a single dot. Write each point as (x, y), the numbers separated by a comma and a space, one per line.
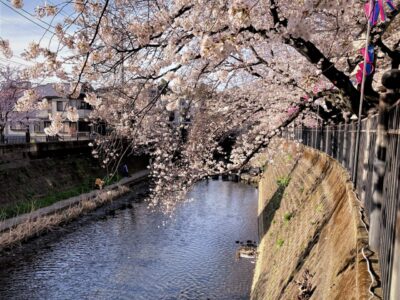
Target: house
(31, 128)
(182, 112)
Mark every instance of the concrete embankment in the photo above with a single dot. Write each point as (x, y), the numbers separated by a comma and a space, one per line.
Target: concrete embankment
(311, 232)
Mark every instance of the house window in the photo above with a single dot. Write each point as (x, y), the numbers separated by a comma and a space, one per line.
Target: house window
(84, 105)
(38, 127)
(60, 106)
(18, 126)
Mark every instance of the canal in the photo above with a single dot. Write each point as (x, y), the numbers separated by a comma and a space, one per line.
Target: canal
(132, 255)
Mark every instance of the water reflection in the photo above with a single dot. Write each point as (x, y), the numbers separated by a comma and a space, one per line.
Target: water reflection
(130, 256)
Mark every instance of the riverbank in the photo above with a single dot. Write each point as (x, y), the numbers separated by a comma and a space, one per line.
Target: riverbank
(312, 236)
(26, 226)
(35, 176)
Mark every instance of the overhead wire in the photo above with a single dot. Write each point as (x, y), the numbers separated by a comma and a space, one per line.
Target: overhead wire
(27, 18)
(32, 15)
(17, 11)
(13, 61)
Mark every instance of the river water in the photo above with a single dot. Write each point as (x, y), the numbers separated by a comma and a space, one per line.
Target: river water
(131, 255)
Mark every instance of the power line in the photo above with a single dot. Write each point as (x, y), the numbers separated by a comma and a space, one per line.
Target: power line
(34, 16)
(34, 22)
(13, 61)
(27, 12)
(30, 20)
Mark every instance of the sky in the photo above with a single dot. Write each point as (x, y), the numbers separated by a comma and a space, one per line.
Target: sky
(20, 31)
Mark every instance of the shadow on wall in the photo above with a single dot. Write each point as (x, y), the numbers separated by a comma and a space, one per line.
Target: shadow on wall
(267, 215)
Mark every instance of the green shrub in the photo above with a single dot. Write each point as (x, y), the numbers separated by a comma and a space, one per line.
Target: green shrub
(283, 181)
(287, 216)
(280, 242)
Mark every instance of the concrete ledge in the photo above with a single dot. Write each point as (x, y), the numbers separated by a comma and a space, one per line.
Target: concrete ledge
(64, 204)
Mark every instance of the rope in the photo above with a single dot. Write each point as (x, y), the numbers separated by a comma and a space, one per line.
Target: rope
(371, 274)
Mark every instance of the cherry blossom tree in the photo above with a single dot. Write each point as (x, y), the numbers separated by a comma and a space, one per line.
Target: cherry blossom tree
(11, 88)
(245, 68)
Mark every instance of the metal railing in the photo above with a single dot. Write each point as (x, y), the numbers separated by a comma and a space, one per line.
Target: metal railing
(13, 140)
(339, 142)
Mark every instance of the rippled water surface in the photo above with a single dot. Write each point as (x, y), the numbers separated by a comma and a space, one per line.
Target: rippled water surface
(129, 256)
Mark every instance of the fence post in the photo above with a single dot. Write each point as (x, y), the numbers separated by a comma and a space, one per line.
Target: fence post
(351, 152)
(364, 176)
(327, 133)
(318, 137)
(344, 151)
(340, 138)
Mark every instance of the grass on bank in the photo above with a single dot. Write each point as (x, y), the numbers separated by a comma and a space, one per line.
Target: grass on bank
(31, 228)
(29, 205)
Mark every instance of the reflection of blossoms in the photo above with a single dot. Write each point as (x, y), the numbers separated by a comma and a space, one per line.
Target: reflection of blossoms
(55, 126)
(72, 114)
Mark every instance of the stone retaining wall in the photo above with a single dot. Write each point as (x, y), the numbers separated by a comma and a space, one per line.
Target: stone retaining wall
(309, 221)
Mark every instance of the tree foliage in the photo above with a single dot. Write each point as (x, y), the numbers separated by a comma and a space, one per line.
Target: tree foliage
(244, 69)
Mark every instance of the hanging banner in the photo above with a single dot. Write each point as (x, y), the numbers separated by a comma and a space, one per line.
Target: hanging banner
(378, 9)
(369, 55)
(373, 9)
(369, 69)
